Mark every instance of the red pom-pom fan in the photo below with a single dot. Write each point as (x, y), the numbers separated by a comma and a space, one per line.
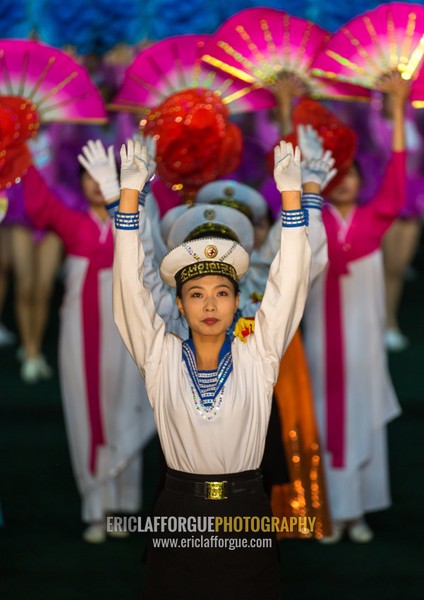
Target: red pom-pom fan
(18, 123)
(337, 136)
(195, 141)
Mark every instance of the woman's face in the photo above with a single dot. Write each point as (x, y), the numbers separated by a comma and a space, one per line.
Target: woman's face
(209, 304)
(91, 190)
(347, 191)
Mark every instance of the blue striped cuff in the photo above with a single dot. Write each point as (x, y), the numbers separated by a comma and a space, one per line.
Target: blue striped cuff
(126, 220)
(143, 194)
(312, 201)
(112, 209)
(294, 218)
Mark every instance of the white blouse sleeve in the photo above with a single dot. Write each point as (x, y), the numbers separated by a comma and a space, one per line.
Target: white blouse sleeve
(284, 300)
(141, 328)
(163, 297)
(152, 214)
(257, 275)
(317, 235)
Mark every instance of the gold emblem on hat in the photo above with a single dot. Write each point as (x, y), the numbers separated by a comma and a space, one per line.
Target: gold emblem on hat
(209, 214)
(229, 191)
(211, 251)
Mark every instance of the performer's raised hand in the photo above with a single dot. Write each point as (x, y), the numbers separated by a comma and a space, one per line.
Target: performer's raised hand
(287, 171)
(134, 166)
(397, 91)
(150, 143)
(319, 170)
(310, 142)
(396, 87)
(101, 165)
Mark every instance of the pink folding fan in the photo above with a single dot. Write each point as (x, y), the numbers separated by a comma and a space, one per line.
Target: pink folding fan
(175, 64)
(260, 45)
(381, 40)
(55, 83)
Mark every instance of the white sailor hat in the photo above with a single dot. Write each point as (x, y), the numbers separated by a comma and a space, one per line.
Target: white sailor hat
(205, 220)
(169, 218)
(205, 256)
(237, 195)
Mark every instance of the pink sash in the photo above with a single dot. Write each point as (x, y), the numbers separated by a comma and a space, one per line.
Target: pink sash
(101, 259)
(334, 344)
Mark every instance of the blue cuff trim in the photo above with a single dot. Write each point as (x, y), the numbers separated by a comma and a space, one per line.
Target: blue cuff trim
(112, 208)
(294, 218)
(126, 220)
(312, 201)
(143, 194)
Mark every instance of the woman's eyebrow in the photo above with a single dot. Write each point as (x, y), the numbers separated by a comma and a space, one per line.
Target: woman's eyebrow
(226, 285)
(201, 287)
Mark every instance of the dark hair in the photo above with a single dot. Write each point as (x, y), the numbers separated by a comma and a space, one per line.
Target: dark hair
(358, 168)
(81, 170)
(269, 215)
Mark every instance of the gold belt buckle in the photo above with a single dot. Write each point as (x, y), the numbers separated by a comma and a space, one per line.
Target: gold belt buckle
(215, 490)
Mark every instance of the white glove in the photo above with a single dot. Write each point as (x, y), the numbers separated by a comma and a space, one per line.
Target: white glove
(319, 170)
(310, 142)
(134, 169)
(150, 144)
(287, 174)
(101, 165)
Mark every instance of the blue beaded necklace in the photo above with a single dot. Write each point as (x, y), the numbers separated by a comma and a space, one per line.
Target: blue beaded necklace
(208, 386)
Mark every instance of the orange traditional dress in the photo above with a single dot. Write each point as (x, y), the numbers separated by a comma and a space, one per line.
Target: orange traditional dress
(304, 495)
(301, 490)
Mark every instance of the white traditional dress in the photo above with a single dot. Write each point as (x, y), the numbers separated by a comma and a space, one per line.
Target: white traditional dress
(343, 334)
(108, 417)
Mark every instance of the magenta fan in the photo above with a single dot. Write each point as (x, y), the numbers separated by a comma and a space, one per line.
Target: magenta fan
(387, 38)
(175, 64)
(260, 45)
(55, 83)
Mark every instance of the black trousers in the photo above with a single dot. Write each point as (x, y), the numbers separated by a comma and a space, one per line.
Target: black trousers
(211, 567)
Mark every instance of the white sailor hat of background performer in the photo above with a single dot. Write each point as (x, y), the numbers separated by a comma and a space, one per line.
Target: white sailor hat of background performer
(211, 220)
(169, 219)
(202, 257)
(236, 195)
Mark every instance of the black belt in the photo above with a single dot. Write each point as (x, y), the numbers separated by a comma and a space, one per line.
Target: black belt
(213, 490)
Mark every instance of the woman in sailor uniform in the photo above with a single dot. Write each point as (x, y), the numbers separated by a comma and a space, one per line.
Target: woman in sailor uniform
(211, 395)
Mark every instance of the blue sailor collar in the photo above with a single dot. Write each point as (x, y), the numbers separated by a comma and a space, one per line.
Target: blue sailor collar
(208, 384)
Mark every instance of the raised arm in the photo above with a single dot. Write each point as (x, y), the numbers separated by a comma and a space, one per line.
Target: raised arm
(283, 303)
(141, 328)
(163, 297)
(397, 92)
(286, 89)
(318, 170)
(377, 216)
(45, 209)
(101, 165)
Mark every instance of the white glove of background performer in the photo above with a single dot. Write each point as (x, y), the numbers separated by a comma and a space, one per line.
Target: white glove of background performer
(310, 142)
(101, 165)
(150, 144)
(134, 168)
(319, 170)
(287, 173)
